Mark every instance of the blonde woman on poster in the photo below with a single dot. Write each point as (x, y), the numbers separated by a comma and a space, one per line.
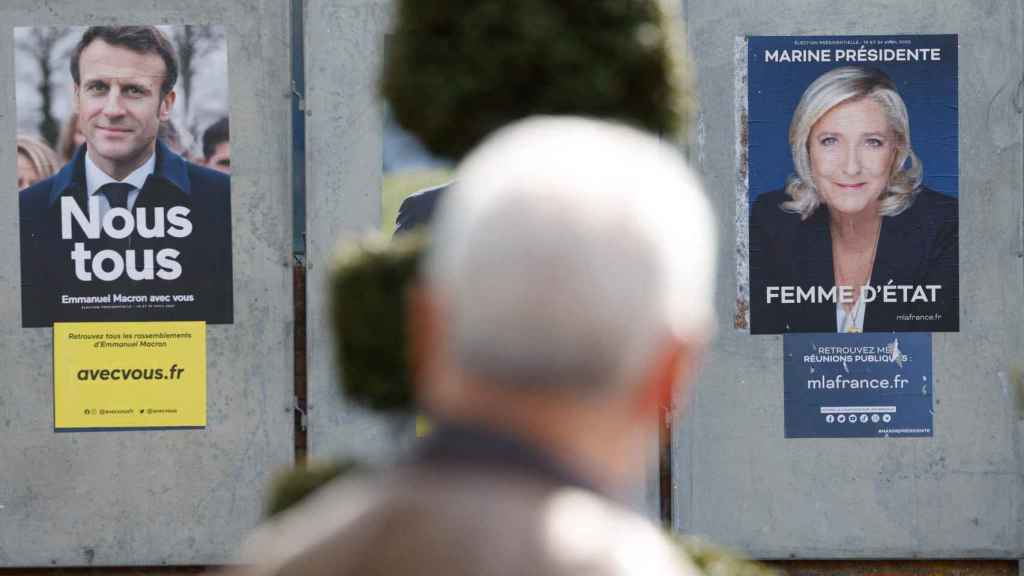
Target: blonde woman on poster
(854, 242)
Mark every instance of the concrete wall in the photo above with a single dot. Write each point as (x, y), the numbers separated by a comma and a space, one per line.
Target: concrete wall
(958, 494)
(343, 181)
(160, 497)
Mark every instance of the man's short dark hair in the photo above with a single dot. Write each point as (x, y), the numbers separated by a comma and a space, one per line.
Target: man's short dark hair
(215, 133)
(139, 39)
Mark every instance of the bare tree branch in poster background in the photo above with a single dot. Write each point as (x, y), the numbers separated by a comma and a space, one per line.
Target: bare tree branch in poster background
(194, 43)
(41, 46)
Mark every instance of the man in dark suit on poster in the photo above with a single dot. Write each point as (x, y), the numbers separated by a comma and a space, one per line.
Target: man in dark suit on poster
(127, 230)
(418, 208)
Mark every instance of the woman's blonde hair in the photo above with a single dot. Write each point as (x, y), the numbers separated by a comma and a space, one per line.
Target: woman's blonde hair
(839, 86)
(42, 157)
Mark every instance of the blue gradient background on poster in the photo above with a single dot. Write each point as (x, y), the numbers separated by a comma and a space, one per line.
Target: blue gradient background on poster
(929, 90)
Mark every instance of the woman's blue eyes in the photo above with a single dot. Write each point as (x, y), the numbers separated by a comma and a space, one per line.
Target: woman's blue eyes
(869, 142)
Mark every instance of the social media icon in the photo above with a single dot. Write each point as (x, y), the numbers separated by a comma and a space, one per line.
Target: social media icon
(830, 418)
(875, 418)
(841, 418)
(886, 418)
(863, 418)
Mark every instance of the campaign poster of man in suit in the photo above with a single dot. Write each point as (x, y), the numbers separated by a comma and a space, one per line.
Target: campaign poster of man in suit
(414, 180)
(848, 193)
(128, 228)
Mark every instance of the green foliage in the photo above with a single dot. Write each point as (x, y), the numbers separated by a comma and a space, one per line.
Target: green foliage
(1017, 390)
(292, 486)
(368, 297)
(456, 70)
(713, 560)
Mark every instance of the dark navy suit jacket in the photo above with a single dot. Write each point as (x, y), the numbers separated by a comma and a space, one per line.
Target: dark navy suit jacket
(916, 247)
(418, 209)
(204, 288)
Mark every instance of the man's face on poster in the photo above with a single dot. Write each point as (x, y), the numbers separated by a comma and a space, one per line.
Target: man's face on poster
(119, 105)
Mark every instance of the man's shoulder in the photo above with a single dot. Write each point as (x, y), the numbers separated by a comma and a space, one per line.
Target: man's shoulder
(417, 209)
(207, 177)
(36, 196)
(471, 521)
(426, 195)
(210, 192)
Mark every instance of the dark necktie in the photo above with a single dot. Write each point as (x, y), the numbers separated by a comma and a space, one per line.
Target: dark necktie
(117, 193)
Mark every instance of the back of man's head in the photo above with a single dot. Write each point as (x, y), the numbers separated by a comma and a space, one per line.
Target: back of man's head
(568, 251)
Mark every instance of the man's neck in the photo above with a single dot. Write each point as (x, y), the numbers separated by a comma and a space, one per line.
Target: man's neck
(592, 438)
(96, 177)
(120, 170)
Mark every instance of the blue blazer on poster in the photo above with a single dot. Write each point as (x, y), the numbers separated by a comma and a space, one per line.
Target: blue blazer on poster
(203, 291)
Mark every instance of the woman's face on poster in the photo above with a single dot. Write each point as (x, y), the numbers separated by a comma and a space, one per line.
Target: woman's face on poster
(852, 149)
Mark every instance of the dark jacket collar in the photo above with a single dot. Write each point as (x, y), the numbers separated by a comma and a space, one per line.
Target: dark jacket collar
(169, 167)
(462, 444)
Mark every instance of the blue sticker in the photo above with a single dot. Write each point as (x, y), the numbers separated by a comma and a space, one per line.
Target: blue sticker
(858, 385)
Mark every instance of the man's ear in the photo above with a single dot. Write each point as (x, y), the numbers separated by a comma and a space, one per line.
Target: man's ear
(669, 376)
(166, 105)
(423, 338)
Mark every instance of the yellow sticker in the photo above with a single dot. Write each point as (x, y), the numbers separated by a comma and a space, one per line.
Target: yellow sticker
(424, 426)
(129, 375)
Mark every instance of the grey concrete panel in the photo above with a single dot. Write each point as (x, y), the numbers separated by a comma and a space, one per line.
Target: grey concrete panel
(160, 497)
(957, 494)
(344, 125)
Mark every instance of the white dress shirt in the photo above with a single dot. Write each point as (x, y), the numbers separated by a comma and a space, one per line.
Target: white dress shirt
(95, 177)
(852, 321)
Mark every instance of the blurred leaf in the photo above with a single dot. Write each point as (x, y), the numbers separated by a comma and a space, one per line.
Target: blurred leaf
(292, 486)
(368, 307)
(714, 560)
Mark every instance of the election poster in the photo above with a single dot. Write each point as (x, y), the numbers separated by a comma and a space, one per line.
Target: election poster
(123, 160)
(118, 375)
(848, 184)
(414, 179)
(858, 385)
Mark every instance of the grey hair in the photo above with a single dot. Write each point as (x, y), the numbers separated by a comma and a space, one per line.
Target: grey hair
(567, 252)
(839, 86)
